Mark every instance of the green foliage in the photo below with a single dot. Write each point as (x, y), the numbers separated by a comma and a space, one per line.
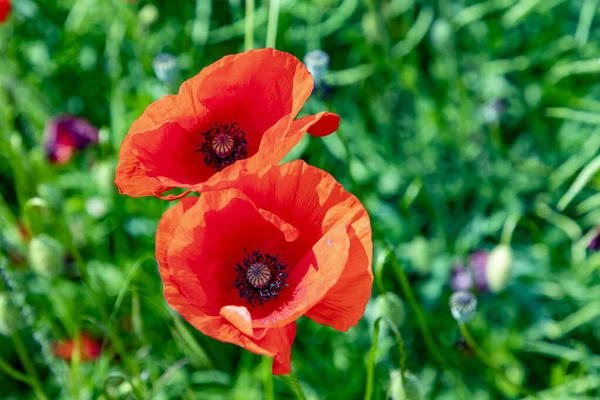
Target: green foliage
(464, 124)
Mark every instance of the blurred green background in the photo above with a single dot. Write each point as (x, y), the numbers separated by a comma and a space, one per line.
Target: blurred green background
(464, 124)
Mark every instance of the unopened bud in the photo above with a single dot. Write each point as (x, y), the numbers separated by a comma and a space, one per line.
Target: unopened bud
(499, 266)
(148, 14)
(463, 306)
(404, 389)
(389, 305)
(47, 256)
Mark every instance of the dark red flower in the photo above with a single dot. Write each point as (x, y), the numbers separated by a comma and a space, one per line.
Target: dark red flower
(243, 262)
(236, 114)
(66, 134)
(89, 348)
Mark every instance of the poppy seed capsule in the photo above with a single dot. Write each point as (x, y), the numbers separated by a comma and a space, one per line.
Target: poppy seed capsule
(258, 275)
(46, 256)
(498, 268)
(223, 144)
(463, 306)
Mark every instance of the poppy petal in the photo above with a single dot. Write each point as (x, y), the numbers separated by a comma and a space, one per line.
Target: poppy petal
(310, 279)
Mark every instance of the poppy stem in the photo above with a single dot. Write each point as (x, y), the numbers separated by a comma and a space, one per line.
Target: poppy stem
(249, 27)
(268, 379)
(483, 357)
(28, 365)
(427, 337)
(272, 23)
(373, 353)
(295, 385)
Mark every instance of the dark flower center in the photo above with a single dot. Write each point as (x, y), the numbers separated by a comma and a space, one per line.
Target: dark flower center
(260, 277)
(223, 145)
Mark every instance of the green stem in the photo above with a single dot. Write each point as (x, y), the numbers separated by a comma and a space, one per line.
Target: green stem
(268, 379)
(272, 23)
(249, 31)
(429, 342)
(373, 353)
(28, 365)
(509, 228)
(483, 357)
(295, 385)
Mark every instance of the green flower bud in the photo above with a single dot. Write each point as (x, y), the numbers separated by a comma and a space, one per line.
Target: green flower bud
(46, 256)
(498, 269)
(404, 389)
(148, 14)
(8, 315)
(389, 305)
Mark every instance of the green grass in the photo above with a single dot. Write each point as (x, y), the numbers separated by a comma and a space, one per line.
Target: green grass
(440, 172)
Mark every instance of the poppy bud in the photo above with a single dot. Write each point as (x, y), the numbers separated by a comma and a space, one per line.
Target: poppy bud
(404, 389)
(389, 305)
(5, 7)
(165, 67)
(66, 134)
(148, 15)
(499, 267)
(463, 306)
(47, 256)
(317, 63)
(8, 315)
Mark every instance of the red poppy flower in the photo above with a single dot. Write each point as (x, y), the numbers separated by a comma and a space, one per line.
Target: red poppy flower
(243, 263)
(236, 114)
(5, 7)
(89, 349)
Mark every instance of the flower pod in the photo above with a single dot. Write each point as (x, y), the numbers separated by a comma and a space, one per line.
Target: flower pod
(389, 305)
(404, 389)
(498, 269)
(46, 256)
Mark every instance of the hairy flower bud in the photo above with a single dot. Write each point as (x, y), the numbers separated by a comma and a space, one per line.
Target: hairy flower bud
(389, 305)
(463, 306)
(47, 256)
(317, 63)
(165, 67)
(498, 269)
(404, 389)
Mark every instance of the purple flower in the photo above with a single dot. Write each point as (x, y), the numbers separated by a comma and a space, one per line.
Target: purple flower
(478, 263)
(461, 278)
(65, 134)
